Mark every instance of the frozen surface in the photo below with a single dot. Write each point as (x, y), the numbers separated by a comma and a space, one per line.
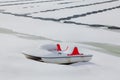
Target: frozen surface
(29, 25)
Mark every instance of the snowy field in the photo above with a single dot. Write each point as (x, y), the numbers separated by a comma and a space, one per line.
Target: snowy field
(92, 25)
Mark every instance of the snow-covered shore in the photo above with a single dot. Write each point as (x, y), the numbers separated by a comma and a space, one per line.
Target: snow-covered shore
(16, 67)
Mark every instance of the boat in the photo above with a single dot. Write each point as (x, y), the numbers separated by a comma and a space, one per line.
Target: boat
(63, 57)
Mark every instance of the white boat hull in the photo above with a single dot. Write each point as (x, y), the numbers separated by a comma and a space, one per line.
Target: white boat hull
(62, 59)
(67, 59)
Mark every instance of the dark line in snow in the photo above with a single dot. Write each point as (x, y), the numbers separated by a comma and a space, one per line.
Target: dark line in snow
(77, 6)
(24, 35)
(41, 18)
(93, 25)
(24, 15)
(14, 1)
(12, 4)
(66, 2)
(88, 13)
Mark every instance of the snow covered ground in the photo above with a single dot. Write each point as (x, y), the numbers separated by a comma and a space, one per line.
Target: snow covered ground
(30, 24)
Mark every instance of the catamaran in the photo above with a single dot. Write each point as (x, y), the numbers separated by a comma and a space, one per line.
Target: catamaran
(63, 57)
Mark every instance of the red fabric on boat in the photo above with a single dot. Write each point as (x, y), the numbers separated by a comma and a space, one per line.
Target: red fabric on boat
(74, 52)
(58, 47)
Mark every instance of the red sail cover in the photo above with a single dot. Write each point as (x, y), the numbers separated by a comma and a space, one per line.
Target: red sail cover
(74, 52)
(58, 47)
